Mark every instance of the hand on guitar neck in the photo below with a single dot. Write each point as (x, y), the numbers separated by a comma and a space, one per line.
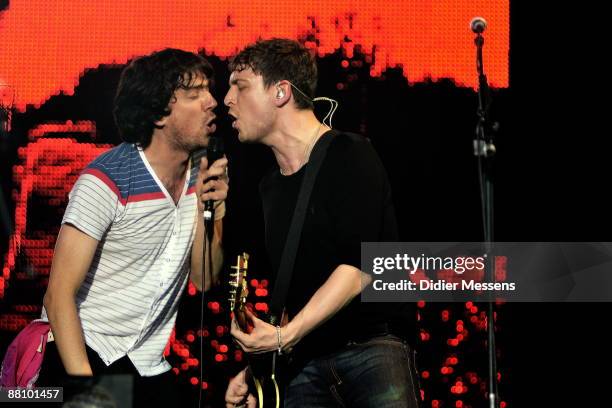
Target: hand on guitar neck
(253, 334)
(260, 337)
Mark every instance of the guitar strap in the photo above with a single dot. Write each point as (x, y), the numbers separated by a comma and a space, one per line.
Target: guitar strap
(285, 270)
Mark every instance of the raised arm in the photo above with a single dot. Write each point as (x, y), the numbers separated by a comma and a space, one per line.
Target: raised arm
(204, 192)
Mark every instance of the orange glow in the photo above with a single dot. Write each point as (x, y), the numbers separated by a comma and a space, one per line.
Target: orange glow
(47, 45)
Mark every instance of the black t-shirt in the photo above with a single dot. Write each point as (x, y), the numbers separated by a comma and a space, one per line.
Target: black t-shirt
(350, 203)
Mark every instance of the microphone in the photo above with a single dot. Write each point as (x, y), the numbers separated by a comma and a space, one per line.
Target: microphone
(478, 25)
(214, 151)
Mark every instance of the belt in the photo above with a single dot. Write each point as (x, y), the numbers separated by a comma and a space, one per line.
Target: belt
(369, 332)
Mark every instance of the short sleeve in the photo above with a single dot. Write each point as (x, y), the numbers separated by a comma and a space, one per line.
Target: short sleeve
(92, 205)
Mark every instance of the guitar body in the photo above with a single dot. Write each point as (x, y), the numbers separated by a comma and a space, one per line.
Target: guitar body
(264, 370)
(264, 380)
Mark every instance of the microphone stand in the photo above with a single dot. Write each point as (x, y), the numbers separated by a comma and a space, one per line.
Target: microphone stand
(484, 150)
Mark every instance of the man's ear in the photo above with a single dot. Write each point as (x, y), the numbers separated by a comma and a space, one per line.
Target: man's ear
(282, 93)
(161, 122)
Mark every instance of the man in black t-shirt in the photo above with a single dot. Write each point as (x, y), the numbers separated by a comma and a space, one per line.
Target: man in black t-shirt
(344, 352)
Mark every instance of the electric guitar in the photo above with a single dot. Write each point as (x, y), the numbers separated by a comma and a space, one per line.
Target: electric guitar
(261, 371)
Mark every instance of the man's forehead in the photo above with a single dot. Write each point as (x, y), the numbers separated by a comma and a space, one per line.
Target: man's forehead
(194, 81)
(245, 74)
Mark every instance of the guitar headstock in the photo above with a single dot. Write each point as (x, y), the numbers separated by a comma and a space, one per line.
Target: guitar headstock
(239, 289)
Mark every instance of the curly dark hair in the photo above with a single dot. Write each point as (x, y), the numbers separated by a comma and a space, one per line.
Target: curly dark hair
(281, 59)
(146, 87)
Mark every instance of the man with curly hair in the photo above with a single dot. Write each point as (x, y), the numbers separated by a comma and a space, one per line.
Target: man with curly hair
(133, 231)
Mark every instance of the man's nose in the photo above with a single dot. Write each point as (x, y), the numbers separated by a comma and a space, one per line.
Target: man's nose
(229, 98)
(212, 104)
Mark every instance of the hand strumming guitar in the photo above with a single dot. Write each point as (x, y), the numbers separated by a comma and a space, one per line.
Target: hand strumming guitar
(237, 394)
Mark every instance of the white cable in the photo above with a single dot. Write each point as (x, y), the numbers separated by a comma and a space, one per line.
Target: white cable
(330, 113)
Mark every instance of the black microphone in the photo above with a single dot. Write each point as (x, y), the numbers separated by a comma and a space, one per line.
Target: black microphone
(478, 25)
(214, 151)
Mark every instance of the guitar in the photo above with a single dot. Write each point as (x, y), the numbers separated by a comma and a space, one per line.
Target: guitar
(261, 370)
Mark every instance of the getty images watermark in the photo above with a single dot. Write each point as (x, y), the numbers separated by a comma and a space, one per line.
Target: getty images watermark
(500, 271)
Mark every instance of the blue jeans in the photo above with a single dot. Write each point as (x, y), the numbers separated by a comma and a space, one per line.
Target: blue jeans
(377, 373)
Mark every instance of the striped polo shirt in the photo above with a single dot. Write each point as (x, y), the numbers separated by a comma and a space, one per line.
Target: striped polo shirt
(129, 298)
